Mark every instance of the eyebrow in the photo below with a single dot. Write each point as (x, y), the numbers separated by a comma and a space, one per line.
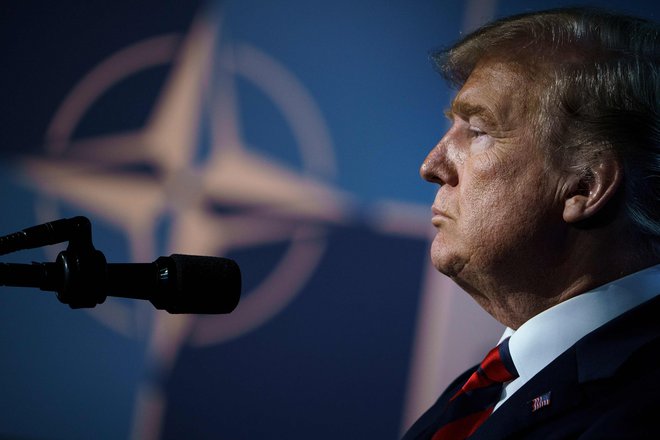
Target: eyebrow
(465, 109)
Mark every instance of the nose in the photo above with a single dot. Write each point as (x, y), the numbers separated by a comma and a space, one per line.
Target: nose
(438, 167)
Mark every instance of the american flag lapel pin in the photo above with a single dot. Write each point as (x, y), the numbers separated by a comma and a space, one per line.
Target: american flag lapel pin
(541, 401)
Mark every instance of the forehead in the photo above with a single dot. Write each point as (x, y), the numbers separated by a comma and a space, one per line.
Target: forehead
(497, 92)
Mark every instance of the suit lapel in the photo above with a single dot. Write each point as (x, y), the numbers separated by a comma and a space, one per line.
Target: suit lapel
(553, 391)
(436, 416)
(560, 387)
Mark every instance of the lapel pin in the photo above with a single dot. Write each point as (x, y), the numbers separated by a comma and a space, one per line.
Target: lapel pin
(541, 401)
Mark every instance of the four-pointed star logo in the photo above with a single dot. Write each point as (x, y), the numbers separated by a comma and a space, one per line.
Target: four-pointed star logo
(232, 199)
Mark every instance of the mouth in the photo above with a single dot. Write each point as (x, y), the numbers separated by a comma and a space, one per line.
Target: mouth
(438, 216)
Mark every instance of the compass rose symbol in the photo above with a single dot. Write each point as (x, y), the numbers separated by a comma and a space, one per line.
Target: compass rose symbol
(225, 199)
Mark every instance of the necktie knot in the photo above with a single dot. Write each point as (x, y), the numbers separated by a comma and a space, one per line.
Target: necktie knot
(497, 367)
(474, 402)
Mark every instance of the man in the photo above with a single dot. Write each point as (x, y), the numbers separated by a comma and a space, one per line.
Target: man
(548, 215)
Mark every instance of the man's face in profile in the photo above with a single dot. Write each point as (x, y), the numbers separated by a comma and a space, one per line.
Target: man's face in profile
(498, 206)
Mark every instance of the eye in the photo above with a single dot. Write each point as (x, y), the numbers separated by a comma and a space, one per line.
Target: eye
(479, 139)
(475, 131)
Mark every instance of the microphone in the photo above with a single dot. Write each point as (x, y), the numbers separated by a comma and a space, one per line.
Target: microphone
(178, 283)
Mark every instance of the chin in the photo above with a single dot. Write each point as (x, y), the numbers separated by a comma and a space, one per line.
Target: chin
(446, 261)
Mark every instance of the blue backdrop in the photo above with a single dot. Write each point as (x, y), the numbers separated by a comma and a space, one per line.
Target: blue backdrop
(285, 135)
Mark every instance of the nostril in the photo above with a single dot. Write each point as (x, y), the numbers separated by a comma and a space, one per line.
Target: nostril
(429, 172)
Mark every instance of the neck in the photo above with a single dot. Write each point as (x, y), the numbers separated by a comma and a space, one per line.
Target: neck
(513, 296)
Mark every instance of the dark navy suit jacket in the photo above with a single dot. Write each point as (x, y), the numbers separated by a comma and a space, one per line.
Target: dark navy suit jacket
(606, 386)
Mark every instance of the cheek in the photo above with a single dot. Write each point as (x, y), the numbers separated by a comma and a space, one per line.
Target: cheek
(497, 206)
(499, 179)
(509, 211)
(483, 195)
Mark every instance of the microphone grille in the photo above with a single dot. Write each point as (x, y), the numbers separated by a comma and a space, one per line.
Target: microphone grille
(204, 284)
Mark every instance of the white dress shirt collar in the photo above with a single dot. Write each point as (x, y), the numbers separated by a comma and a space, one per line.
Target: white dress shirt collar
(544, 337)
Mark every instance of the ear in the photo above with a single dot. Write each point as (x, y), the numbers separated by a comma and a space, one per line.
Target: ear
(589, 192)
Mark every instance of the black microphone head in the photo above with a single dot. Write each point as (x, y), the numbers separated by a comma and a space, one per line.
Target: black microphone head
(197, 284)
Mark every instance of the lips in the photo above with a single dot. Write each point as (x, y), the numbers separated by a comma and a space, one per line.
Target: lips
(438, 215)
